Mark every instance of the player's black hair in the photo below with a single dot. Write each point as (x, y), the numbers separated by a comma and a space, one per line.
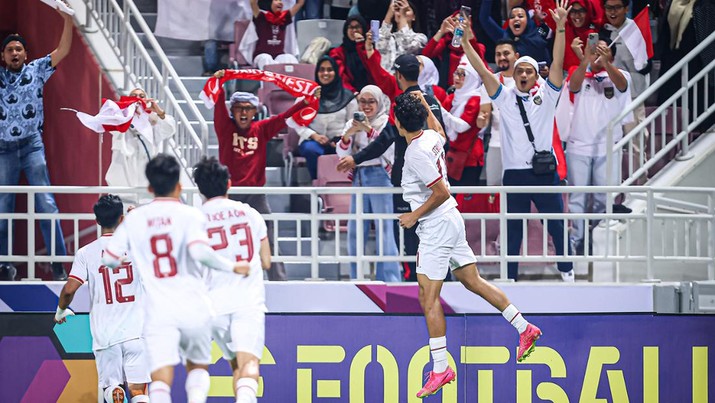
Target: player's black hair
(605, 36)
(506, 41)
(107, 210)
(410, 112)
(163, 174)
(211, 177)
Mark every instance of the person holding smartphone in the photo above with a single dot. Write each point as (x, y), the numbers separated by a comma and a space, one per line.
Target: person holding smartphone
(583, 20)
(398, 34)
(365, 126)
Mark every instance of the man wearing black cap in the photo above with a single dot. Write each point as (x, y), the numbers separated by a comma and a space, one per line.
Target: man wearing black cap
(407, 70)
(21, 147)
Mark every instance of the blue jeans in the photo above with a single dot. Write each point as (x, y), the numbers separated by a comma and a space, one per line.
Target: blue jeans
(312, 10)
(211, 57)
(521, 203)
(311, 150)
(375, 176)
(30, 159)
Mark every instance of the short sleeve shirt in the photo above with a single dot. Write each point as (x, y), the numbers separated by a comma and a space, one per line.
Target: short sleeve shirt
(21, 110)
(540, 106)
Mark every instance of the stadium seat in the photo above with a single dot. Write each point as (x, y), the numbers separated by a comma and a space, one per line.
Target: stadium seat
(291, 158)
(328, 176)
(277, 100)
(309, 29)
(236, 58)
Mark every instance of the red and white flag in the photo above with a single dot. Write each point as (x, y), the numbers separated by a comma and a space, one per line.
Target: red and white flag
(638, 39)
(113, 116)
(293, 85)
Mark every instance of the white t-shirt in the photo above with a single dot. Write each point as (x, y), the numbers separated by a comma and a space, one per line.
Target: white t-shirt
(495, 139)
(540, 106)
(115, 296)
(235, 231)
(158, 236)
(595, 105)
(425, 166)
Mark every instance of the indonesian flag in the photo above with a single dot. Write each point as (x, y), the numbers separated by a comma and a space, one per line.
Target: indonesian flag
(638, 39)
(113, 116)
(293, 85)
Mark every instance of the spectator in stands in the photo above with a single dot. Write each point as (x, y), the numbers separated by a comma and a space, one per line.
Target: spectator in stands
(359, 131)
(599, 96)
(538, 109)
(616, 11)
(312, 10)
(505, 55)
(583, 20)
(133, 149)
(472, 105)
(350, 56)
(429, 79)
(407, 71)
(337, 105)
(404, 39)
(21, 147)
(441, 42)
(530, 40)
(242, 147)
(271, 22)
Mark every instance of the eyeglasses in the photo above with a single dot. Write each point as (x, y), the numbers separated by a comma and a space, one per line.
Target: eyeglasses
(367, 102)
(355, 27)
(577, 11)
(459, 74)
(617, 7)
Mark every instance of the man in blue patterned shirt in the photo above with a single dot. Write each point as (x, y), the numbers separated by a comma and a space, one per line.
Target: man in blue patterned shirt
(21, 147)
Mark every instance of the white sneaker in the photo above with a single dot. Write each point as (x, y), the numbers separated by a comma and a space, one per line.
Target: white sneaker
(568, 276)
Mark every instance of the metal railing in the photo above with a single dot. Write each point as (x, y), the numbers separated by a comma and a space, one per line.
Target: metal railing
(160, 82)
(678, 226)
(671, 120)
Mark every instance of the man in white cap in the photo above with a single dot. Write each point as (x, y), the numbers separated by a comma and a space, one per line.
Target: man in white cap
(242, 147)
(527, 118)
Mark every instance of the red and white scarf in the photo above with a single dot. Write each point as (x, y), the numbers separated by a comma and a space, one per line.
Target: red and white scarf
(293, 85)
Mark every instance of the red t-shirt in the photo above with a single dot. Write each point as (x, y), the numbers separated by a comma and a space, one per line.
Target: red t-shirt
(244, 151)
(271, 38)
(464, 139)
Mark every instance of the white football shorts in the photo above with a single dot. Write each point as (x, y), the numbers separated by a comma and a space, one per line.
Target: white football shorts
(166, 345)
(443, 245)
(123, 361)
(243, 331)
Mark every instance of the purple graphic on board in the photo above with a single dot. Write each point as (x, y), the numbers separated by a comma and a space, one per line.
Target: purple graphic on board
(27, 361)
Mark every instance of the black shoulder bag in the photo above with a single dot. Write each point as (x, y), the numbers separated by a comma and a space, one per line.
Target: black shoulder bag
(543, 162)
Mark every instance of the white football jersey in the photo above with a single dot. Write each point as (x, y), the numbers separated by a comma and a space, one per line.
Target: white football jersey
(116, 312)
(158, 236)
(425, 166)
(235, 231)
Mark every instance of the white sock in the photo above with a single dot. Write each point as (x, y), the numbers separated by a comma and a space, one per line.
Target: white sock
(140, 399)
(438, 348)
(198, 383)
(108, 393)
(159, 392)
(246, 389)
(515, 317)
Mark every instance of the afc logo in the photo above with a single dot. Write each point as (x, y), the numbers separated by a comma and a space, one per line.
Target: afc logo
(244, 145)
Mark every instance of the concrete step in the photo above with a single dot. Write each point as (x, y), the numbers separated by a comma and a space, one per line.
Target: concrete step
(149, 18)
(145, 6)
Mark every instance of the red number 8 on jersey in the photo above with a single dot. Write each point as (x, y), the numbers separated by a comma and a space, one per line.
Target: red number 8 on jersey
(163, 253)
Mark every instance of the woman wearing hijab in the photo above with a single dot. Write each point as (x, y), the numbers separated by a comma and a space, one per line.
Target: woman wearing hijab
(470, 103)
(358, 133)
(530, 40)
(350, 56)
(337, 105)
(583, 20)
(429, 79)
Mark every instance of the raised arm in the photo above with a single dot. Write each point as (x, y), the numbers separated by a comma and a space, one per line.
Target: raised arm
(614, 73)
(577, 77)
(556, 75)
(490, 81)
(63, 49)
(298, 5)
(432, 121)
(489, 26)
(254, 8)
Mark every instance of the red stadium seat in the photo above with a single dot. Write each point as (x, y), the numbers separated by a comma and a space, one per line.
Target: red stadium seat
(328, 176)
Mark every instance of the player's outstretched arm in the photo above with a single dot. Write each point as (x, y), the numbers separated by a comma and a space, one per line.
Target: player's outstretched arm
(66, 296)
(265, 254)
(205, 255)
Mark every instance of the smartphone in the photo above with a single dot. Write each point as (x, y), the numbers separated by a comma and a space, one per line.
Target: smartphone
(359, 116)
(592, 40)
(465, 13)
(542, 65)
(375, 29)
